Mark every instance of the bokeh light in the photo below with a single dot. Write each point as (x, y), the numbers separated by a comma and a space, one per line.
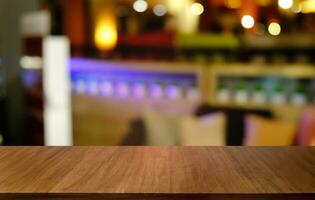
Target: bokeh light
(274, 28)
(106, 34)
(140, 6)
(159, 10)
(297, 8)
(248, 21)
(285, 4)
(197, 9)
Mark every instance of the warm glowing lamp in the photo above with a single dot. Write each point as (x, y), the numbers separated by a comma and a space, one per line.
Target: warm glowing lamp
(106, 35)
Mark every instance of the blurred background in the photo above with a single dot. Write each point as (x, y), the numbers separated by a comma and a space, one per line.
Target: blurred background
(157, 72)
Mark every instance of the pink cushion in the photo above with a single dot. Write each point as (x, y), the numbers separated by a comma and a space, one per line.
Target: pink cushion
(306, 135)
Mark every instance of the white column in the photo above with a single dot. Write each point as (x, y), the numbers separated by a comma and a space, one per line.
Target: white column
(57, 90)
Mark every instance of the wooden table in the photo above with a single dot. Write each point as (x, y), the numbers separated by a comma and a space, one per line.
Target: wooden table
(152, 173)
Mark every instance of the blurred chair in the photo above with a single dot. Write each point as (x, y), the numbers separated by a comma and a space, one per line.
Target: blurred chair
(234, 129)
(306, 134)
(209, 130)
(136, 135)
(161, 120)
(235, 126)
(161, 130)
(264, 132)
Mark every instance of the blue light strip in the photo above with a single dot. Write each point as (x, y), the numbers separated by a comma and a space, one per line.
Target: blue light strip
(110, 79)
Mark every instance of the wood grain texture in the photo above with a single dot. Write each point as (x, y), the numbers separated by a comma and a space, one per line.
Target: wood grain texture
(157, 173)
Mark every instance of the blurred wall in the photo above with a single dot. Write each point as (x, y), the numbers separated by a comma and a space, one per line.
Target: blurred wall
(10, 37)
(76, 23)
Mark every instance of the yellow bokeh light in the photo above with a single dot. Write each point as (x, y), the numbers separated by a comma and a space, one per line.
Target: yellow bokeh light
(106, 34)
(274, 28)
(197, 9)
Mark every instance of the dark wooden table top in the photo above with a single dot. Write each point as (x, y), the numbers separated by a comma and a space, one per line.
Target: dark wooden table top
(157, 173)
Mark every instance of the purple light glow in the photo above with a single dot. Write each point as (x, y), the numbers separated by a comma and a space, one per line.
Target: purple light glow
(107, 89)
(156, 91)
(123, 70)
(173, 92)
(93, 88)
(139, 90)
(111, 79)
(122, 90)
(90, 65)
(80, 87)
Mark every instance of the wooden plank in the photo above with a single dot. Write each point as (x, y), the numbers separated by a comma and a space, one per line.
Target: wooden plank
(158, 197)
(157, 173)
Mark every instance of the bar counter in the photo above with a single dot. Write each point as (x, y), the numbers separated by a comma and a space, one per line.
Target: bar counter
(156, 173)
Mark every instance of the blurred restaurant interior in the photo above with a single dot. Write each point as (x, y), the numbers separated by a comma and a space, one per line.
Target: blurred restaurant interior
(157, 72)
